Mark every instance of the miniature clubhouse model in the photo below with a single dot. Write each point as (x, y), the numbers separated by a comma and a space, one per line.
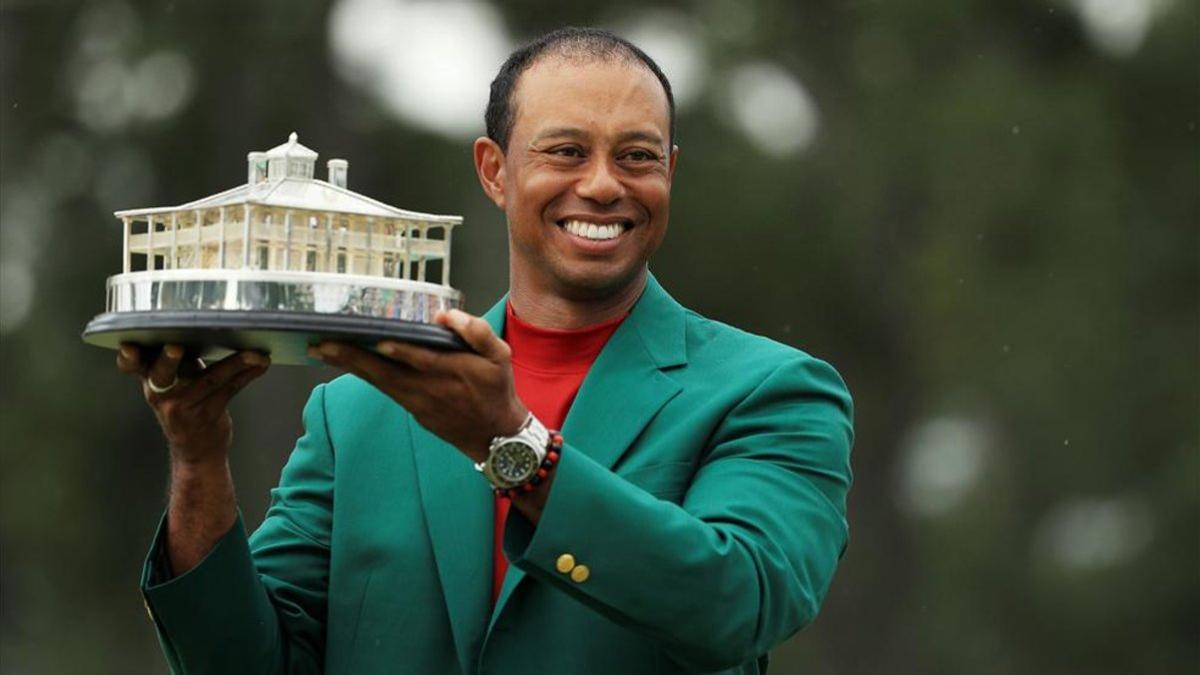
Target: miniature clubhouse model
(279, 263)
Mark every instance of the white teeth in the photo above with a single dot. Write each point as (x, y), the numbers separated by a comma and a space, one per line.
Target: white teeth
(593, 230)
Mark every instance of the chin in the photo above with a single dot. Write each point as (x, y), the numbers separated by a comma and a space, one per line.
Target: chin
(587, 284)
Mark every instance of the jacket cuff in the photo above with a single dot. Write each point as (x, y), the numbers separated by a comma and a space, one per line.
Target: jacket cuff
(195, 610)
(585, 498)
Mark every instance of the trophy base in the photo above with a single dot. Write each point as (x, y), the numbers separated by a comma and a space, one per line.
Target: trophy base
(285, 336)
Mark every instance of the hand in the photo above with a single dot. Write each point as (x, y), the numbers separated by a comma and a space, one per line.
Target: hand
(465, 398)
(193, 413)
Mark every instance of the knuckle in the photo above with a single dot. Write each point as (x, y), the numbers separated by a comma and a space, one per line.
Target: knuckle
(479, 328)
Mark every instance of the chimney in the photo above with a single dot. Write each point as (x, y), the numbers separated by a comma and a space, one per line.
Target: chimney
(256, 169)
(338, 168)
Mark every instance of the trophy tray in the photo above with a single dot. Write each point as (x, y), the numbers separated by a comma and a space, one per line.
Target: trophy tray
(214, 313)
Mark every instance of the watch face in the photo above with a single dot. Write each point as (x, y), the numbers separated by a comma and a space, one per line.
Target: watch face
(514, 462)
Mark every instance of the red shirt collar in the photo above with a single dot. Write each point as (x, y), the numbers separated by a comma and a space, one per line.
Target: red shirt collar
(552, 350)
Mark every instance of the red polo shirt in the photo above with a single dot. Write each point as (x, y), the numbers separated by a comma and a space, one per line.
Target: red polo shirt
(548, 367)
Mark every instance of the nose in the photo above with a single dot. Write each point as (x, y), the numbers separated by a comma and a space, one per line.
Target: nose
(600, 184)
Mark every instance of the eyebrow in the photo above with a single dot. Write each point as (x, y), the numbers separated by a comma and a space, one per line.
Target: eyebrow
(645, 136)
(579, 134)
(560, 132)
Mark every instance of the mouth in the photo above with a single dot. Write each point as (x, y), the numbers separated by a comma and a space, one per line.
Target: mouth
(594, 231)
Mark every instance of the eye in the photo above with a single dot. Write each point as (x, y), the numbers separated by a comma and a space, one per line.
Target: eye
(640, 156)
(566, 151)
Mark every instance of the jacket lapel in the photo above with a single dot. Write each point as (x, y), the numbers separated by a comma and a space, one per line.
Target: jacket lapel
(459, 514)
(624, 389)
(459, 511)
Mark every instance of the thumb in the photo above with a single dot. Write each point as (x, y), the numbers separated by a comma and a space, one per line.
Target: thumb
(475, 332)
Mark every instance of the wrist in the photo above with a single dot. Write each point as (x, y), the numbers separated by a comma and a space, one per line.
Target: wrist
(184, 467)
(509, 424)
(513, 421)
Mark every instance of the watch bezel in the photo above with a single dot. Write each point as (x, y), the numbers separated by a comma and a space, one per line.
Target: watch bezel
(533, 437)
(510, 449)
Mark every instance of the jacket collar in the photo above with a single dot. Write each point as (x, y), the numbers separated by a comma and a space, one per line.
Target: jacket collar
(622, 392)
(656, 318)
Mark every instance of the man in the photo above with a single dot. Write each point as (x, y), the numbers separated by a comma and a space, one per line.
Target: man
(688, 519)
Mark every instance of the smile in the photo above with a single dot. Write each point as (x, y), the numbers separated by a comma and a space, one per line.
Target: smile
(594, 231)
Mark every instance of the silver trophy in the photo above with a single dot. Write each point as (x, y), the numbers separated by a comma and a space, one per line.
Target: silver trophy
(280, 262)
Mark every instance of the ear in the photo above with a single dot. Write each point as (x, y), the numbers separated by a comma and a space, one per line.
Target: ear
(489, 166)
(671, 162)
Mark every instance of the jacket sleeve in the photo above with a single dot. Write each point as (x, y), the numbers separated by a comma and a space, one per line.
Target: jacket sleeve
(747, 557)
(256, 605)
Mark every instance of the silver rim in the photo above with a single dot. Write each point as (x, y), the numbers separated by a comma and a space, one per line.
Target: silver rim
(253, 290)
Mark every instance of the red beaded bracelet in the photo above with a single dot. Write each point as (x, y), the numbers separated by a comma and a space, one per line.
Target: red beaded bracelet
(553, 451)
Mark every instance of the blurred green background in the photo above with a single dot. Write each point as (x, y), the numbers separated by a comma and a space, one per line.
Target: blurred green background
(984, 213)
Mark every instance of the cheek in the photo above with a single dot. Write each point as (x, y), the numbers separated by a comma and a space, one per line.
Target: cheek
(539, 189)
(655, 193)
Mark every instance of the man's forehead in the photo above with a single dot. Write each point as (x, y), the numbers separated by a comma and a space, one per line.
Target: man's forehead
(554, 93)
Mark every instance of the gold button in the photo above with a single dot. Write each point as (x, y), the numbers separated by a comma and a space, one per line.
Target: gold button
(565, 563)
(580, 574)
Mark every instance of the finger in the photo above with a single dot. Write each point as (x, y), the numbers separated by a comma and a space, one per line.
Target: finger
(377, 370)
(165, 367)
(192, 368)
(219, 399)
(476, 332)
(403, 385)
(417, 358)
(222, 372)
(129, 359)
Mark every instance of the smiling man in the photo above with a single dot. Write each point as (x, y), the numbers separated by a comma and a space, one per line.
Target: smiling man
(608, 483)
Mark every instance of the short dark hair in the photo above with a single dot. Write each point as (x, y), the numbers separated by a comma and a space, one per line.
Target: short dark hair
(568, 42)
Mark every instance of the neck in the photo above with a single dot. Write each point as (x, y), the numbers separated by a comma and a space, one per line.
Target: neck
(546, 309)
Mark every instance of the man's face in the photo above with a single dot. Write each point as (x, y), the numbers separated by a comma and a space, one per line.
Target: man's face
(586, 180)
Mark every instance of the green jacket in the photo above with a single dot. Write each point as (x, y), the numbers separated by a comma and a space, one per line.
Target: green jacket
(703, 483)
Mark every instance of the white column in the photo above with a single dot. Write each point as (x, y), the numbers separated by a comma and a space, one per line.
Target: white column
(308, 243)
(446, 257)
(421, 258)
(246, 236)
(407, 250)
(398, 237)
(150, 242)
(287, 240)
(370, 245)
(126, 266)
(329, 242)
(198, 249)
(221, 241)
(174, 240)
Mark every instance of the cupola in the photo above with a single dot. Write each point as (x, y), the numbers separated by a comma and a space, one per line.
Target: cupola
(290, 160)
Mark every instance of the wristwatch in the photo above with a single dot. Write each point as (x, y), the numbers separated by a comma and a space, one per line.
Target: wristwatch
(514, 460)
